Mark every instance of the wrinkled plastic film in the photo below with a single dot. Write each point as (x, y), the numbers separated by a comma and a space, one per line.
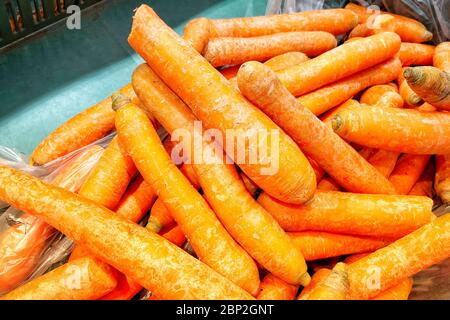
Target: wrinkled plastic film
(434, 14)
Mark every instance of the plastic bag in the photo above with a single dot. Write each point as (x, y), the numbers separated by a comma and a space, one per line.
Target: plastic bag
(28, 246)
(434, 14)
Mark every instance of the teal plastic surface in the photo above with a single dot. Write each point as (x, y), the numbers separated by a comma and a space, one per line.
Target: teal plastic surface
(52, 76)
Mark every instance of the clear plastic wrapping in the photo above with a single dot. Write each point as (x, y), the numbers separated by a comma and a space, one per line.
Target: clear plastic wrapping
(28, 246)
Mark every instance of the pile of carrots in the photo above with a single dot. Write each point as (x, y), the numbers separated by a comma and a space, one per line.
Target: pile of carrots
(363, 134)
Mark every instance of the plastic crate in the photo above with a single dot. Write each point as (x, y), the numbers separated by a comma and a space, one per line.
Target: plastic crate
(19, 18)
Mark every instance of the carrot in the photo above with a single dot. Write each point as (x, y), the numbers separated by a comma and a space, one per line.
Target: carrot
(317, 278)
(127, 288)
(410, 98)
(401, 259)
(416, 54)
(209, 238)
(334, 286)
(327, 183)
(253, 227)
(273, 288)
(196, 32)
(408, 29)
(431, 84)
(384, 161)
(424, 186)
(188, 171)
(160, 217)
(426, 107)
(401, 130)
(341, 62)
(383, 95)
(407, 171)
(251, 187)
(441, 58)
(342, 212)
(22, 244)
(355, 257)
(81, 280)
(334, 94)
(285, 60)
(442, 178)
(110, 177)
(136, 201)
(361, 30)
(231, 51)
(230, 72)
(399, 292)
(321, 245)
(261, 86)
(122, 244)
(201, 86)
(335, 21)
(81, 130)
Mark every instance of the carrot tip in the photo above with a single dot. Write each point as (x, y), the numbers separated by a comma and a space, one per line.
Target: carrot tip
(413, 75)
(119, 100)
(336, 123)
(305, 279)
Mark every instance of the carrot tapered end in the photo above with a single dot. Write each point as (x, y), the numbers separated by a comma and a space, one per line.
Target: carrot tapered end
(119, 100)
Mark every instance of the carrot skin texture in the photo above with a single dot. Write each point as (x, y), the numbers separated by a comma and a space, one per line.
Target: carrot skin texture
(384, 95)
(401, 259)
(401, 130)
(196, 32)
(341, 213)
(334, 65)
(81, 130)
(22, 244)
(416, 54)
(317, 278)
(136, 201)
(431, 84)
(208, 237)
(424, 186)
(261, 86)
(399, 292)
(58, 284)
(232, 51)
(441, 58)
(201, 86)
(317, 245)
(407, 171)
(286, 60)
(408, 29)
(334, 286)
(273, 288)
(252, 226)
(160, 217)
(128, 247)
(328, 184)
(442, 178)
(335, 21)
(332, 95)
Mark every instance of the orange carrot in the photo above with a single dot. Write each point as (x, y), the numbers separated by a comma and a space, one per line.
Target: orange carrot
(81, 280)
(231, 51)
(251, 187)
(201, 86)
(22, 244)
(81, 130)
(160, 217)
(410, 98)
(261, 86)
(383, 95)
(431, 84)
(441, 58)
(136, 201)
(327, 183)
(424, 186)
(126, 288)
(342, 212)
(401, 259)
(442, 179)
(230, 72)
(361, 30)
(338, 92)
(384, 161)
(416, 54)
(355, 257)
(285, 60)
(321, 245)
(123, 244)
(335, 21)
(273, 288)
(208, 237)
(253, 227)
(407, 171)
(401, 130)
(341, 62)
(317, 278)
(399, 292)
(408, 29)
(196, 32)
(110, 177)
(334, 286)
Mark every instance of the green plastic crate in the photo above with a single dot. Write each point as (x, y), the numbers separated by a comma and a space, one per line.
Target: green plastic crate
(20, 18)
